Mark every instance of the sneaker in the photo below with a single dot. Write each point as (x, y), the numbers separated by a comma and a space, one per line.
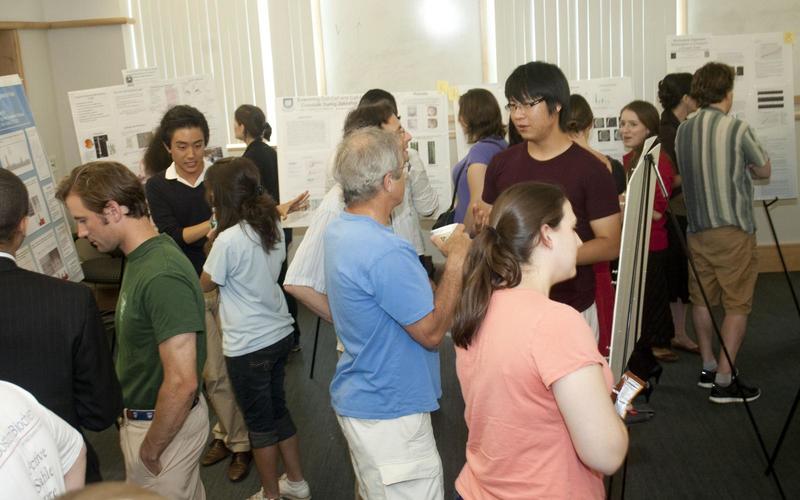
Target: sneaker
(734, 393)
(706, 380)
(259, 495)
(293, 490)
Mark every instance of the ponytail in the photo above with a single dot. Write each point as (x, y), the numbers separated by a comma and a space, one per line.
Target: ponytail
(495, 260)
(489, 266)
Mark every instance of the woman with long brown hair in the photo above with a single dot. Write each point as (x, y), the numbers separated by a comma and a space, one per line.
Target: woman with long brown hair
(529, 367)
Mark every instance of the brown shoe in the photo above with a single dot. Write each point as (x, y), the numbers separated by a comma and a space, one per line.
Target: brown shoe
(216, 452)
(240, 466)
(664, 354)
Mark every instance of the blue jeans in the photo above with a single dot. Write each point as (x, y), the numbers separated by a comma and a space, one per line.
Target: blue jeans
(257, 380)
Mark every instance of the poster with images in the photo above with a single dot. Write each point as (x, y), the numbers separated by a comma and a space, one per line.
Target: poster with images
(117, 123)
(606, 97)
(48, 247)
(763, 96)
(424, 115)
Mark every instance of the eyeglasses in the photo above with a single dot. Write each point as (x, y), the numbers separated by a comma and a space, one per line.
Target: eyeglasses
(511, 107)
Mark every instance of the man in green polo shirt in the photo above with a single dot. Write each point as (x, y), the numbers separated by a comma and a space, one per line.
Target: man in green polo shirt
(160, 326)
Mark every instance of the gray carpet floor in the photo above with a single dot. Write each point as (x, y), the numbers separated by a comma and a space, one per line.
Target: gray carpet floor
(691, 448)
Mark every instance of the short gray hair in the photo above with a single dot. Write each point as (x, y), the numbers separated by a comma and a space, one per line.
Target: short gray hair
(363, 158)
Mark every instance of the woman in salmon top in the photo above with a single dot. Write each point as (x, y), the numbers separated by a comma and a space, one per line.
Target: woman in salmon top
(537, 392)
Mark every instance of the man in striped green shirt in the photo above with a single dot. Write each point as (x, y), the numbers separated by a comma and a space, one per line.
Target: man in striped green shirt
(718, 156)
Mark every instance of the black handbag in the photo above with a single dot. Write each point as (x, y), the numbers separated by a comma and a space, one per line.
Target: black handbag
(448, 216)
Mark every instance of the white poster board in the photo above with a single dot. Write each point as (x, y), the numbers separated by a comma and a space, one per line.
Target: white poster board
(311, 127)
(309, 130)
(763, 94)
(606, 97)
(48, 247)
(117, 123)
(424, 116)
(633, 254)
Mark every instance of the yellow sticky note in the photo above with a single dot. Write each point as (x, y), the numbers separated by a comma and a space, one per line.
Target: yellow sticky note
(788, 37)
(453, 94)
(442, 86)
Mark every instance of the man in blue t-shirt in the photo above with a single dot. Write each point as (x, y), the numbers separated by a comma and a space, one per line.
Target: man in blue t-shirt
(389, 321)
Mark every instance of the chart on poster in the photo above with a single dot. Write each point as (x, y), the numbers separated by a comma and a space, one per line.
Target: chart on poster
(763, 94)
(48, 247)
(117, 123)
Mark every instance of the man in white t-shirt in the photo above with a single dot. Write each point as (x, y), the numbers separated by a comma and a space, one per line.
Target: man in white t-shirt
(41, 456)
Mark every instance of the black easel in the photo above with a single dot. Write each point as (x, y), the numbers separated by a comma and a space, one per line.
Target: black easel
(789, 419)
(751, 418)
(314, 352)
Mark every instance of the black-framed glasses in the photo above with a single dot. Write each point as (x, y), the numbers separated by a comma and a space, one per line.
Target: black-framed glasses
(524, 106)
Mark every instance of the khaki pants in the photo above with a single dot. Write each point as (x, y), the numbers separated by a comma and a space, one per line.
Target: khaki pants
(179, 478)
(230, 426)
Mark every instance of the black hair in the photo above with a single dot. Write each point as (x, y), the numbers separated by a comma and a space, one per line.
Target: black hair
(672, 89)
(540, 79)
(371, 115)
(13, 204)
(181, 116)
(374, 96)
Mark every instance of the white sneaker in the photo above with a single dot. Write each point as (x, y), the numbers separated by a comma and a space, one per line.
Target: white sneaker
(294, 490)
(259, 495)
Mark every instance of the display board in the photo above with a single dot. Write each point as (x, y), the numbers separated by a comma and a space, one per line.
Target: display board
(632, 270)
(424, 116)
(763, 94)
(311, 127)
(309, 130)
(117, 123)
(48, 247)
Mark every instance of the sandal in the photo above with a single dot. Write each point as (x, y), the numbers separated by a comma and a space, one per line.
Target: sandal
(685, 347)
(664, 354)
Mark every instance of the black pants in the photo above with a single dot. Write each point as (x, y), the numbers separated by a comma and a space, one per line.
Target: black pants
(657, 326)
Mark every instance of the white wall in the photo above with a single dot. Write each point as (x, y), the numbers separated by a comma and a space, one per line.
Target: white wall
(729, 17)
(406, 45)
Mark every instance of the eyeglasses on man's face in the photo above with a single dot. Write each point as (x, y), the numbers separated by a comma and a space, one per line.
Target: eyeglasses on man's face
(513, 106)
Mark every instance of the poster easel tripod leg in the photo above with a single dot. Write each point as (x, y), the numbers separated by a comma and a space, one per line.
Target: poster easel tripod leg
(792, 411)
(314, 351)
(717, 332)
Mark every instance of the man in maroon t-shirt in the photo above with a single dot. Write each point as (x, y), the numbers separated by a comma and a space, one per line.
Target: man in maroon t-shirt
(538, 101)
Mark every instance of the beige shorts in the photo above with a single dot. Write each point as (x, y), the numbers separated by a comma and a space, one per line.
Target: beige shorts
(727, 266)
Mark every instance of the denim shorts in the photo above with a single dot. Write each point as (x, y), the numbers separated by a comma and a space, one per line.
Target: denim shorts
(257, 380)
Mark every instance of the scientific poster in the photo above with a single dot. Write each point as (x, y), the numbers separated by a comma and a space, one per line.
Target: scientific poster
(763, 96)
(117, 123)
(310, 128)
(606, 97)
(48, 247)
(424, 116)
